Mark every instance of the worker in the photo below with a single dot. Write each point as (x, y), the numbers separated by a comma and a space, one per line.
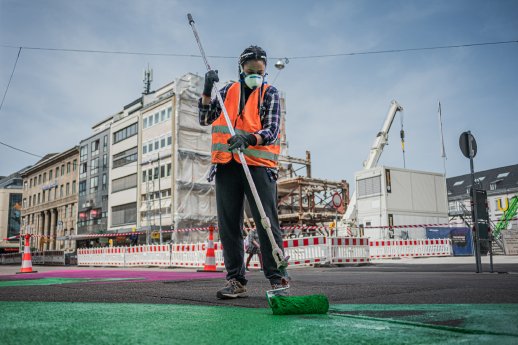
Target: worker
(254, 110)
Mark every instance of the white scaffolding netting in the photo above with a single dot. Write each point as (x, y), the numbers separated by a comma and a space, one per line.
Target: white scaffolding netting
(194, 197)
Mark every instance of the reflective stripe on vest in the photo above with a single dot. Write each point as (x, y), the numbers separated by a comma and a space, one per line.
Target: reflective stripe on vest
(248, 122)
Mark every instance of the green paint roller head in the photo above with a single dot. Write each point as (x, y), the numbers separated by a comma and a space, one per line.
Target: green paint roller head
(290, 305)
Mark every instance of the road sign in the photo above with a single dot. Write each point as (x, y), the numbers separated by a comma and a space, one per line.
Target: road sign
(337, 200)
(468, 145)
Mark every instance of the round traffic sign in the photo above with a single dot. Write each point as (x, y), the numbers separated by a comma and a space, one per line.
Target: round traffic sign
(336, 200)
(468, 144)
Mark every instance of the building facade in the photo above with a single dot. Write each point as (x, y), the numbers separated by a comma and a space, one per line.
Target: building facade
(11, 198)
(501, 185)
(94, 162)
(123, 170)
(49, 205)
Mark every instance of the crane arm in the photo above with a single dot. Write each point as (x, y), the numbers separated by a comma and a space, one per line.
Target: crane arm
(374, 156)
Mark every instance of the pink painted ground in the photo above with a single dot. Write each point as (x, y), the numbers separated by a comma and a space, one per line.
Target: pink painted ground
(126, 274)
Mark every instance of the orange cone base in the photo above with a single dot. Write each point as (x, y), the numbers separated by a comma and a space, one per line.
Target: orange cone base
(26, 272)
(210, 269)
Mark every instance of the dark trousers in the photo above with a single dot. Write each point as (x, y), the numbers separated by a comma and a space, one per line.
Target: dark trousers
(231, 188)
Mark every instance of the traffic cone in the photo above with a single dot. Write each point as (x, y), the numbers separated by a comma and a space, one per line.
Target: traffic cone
(26, 258)
(210, 258)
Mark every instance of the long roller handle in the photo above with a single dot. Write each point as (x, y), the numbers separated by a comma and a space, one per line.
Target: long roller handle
(280, 260)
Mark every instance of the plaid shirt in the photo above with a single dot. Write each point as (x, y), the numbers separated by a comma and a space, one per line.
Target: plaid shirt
(270, 119)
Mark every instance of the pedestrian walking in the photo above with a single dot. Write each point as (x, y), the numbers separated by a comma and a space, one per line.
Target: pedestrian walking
(252, 247)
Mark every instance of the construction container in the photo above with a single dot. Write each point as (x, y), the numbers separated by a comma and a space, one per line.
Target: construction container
(400, 203)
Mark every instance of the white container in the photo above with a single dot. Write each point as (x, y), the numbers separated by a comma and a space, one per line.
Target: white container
(406, 199)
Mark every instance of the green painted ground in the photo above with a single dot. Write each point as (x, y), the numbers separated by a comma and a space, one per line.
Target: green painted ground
(86, 323)
(53, 281)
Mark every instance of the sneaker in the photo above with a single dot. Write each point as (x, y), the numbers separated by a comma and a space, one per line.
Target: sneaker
(233, 289)
(282, 289)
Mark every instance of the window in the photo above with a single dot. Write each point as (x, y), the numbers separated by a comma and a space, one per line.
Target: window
(61, 191)
(458, 183)
(124, 183)
(502, 175)
(168, 169)
(156, 117)
(162, 171)
(73, 187)
(62, 169)
(145, 122)
(39, 179)
(125, 133)
(39, 200)
(83, 153)
(105, 161)
(150, 121)
(157, 144)
(144, 175)
(125, 157)
(162, 142)
(95, 147)
(68, 189)
(74, 165)
(44, 177)
(82, 188)
(144, 149)
(155, 173)
(169, 139)
(104, 182)
(48, 194)
(162, 115)
(68, 167)
(124, 214)
(30, 200)
(492, 185)
(149, 147)
(82, 170)
(50, 174)
(56, 193)
(169, 110)
(94, 184)
(94, 166)
(30, 183)
(43, 196)
(25, 186)
(57, 172)
(105, 143)
(369, 186)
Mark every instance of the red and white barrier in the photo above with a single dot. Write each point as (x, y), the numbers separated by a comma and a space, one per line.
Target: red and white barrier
(384, 249)
(306, 251)
(349, 250)
(302, 251)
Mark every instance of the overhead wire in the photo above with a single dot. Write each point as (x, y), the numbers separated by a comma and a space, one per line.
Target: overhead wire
(119, 52)
(10, 78)
(225, 57)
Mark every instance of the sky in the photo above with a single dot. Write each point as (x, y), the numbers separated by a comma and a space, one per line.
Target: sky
(335, 105)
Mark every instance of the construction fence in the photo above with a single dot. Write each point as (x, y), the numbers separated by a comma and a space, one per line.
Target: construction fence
(51, 257)
(302, 252)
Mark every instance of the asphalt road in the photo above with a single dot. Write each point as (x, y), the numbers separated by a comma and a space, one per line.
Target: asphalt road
(382, 283)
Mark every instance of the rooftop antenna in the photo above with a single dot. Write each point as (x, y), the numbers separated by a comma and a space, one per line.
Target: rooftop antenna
(148, 78)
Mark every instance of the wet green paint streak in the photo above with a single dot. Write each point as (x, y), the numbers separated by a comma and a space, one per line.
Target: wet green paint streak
(54, 281)
(86, 323)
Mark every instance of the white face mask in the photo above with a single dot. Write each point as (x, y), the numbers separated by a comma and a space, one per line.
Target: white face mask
(253, 80)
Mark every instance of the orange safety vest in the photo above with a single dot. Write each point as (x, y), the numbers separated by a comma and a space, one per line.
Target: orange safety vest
(248, 122)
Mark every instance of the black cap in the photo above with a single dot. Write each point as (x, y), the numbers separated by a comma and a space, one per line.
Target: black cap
(252, 53)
